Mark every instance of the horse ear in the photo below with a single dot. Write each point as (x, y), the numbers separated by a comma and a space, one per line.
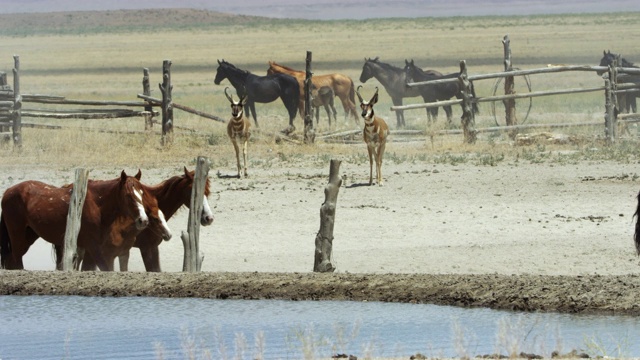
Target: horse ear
(139, 174)
(219, 62)
(186, 172)
(123, 176)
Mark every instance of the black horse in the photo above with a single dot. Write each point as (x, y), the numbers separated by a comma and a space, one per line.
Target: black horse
(394, 82)
(627, 101)
(437, 92)
(262, 89)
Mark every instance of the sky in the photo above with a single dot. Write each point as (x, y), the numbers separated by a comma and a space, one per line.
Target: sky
(337, 9)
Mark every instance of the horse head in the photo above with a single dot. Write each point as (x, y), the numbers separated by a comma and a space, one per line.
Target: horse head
(132, 200)
(186, 186)
(367, 69)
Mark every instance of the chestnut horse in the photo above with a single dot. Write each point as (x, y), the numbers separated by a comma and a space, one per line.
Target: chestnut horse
(171, 194)
(113, 213)
(341, 85)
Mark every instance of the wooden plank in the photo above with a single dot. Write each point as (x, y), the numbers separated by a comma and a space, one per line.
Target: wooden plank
(185, 108)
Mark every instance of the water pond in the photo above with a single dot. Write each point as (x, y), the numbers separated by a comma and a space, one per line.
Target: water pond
(71, 327)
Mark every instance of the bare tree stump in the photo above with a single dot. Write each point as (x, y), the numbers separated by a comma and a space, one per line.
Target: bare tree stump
(324, 238)
(468, 118)
(76, 204)
(192, 261)
(309, 133)
(509, 89)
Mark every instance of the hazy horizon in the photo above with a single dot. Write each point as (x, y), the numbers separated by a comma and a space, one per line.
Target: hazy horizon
(333, 9)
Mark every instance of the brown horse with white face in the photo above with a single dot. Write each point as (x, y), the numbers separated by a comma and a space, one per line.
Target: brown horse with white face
(114, 212)
(171, 194)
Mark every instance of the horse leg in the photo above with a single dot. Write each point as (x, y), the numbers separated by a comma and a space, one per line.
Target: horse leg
(399, 113)
(333, 109)
(447, 109)
(251, 110)
(151, 258)
(123, 261)
(88, 264)
(349, 108)
(326, 109)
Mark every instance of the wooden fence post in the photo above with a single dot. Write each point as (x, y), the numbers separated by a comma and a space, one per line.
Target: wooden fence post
(309, 133)
(468, 118)
(17, 104)
(610, 111)
(509, 88)
(146, 90)
(76, 203)
(167, 106)
(192, 258)
(324, 238)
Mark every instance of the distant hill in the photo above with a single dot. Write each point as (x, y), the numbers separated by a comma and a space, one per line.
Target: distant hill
(336, 9)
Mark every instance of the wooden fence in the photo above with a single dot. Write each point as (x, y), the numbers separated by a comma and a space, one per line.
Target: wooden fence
(12, 112)
(611, 88)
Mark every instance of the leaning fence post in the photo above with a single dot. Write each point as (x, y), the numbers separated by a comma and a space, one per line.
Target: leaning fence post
(17, 104)
(76, 203)
(167, 102)
(509, 85)
(192, 258)
(309, 133)
(324, 238)
(468, 119)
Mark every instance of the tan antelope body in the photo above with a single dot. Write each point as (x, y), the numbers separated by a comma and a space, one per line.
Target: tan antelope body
(238, 130)
(375, 135)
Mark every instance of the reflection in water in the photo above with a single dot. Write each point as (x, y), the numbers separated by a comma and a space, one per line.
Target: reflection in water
(70, 327)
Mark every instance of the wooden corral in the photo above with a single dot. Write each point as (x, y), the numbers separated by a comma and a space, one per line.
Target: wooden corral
(610, 89)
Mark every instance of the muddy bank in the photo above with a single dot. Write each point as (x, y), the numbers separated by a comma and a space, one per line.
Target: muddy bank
(570, 294)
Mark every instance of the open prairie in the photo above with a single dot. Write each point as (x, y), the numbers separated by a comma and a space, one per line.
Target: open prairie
(547, 213)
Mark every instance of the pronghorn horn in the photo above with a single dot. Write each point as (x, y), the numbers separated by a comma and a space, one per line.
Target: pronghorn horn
(358, 93)
(230, 97)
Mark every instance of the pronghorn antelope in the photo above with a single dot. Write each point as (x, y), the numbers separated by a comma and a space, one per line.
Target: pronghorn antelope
(375, 135)
(238, 130)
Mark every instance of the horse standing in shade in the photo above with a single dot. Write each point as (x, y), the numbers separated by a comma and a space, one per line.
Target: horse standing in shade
(627, 101)
(261, 89)
(393, 79)
(341, 85)
(437, 92)
(113, 213)
(171, 195)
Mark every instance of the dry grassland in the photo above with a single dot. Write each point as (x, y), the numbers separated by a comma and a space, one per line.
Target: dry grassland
(85, 63)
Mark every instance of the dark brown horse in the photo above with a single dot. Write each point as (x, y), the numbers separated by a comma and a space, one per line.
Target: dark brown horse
(114, 212)
(626, 101)
(261, 89)
(393, 79)
(438, 92)
(171, 194)
(341, 85)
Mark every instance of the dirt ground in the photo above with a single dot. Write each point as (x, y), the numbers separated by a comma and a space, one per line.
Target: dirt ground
(519, 235)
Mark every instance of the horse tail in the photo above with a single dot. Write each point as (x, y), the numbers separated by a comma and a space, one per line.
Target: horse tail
(352, 95)
(636, 235)
(5, 244)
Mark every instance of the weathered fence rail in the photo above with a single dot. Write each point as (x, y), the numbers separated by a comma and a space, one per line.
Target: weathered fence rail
(12, 112)
(610, 88)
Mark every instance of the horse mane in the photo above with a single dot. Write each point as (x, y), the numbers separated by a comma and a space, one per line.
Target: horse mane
(384, 66)
(225, 62)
